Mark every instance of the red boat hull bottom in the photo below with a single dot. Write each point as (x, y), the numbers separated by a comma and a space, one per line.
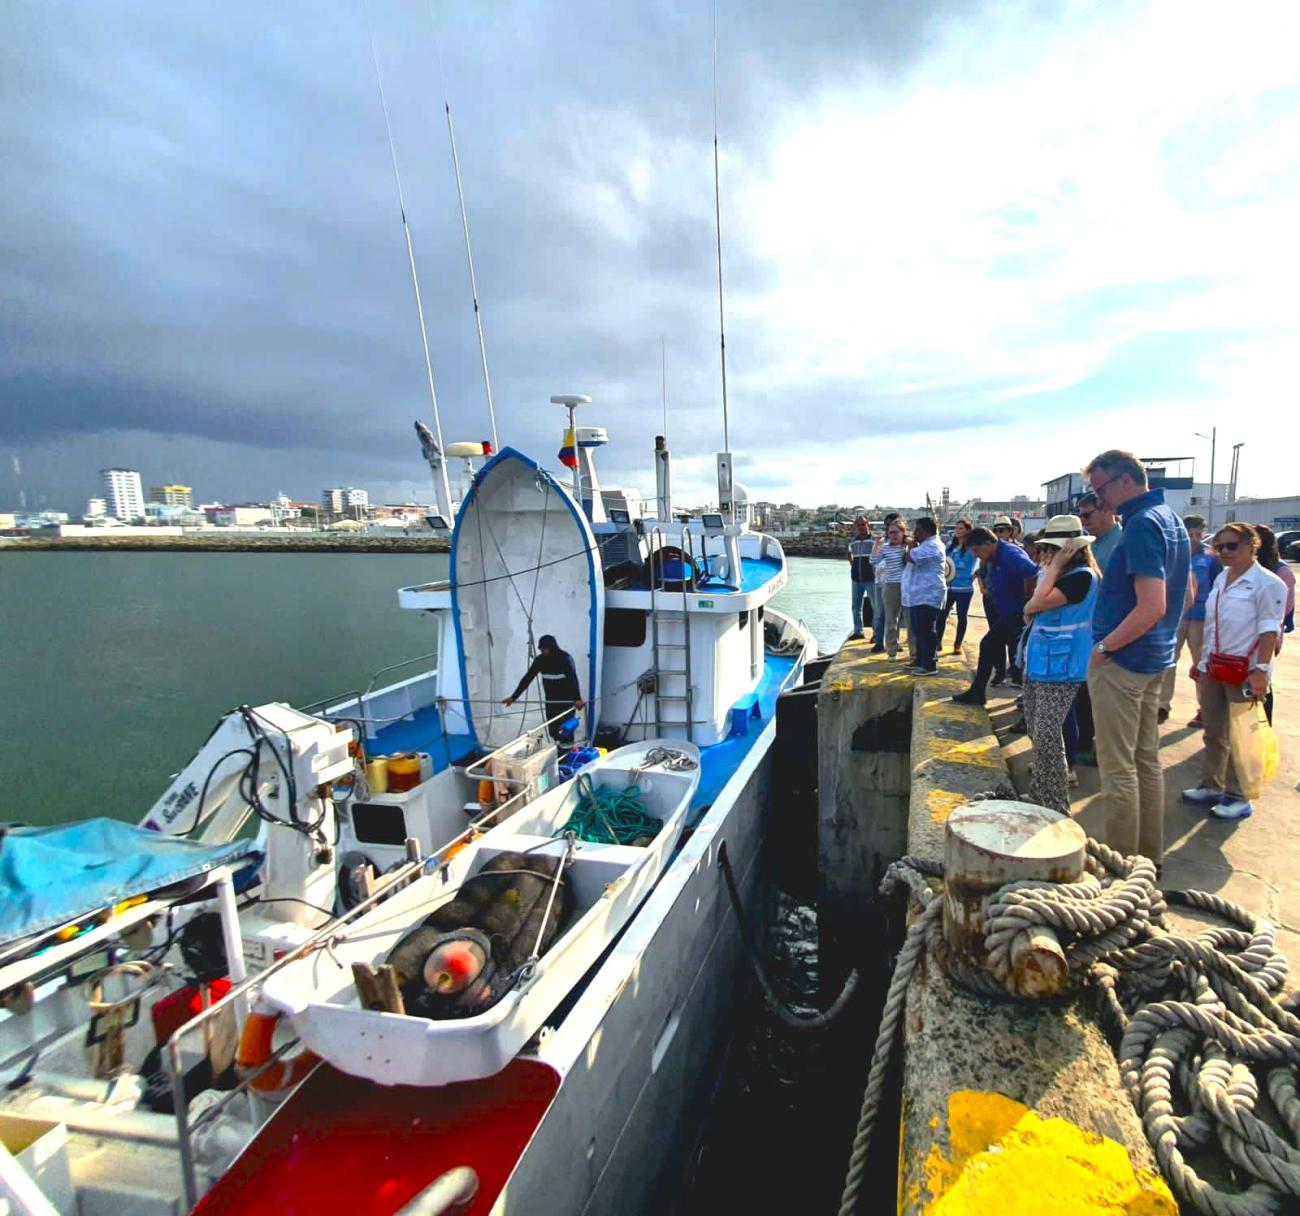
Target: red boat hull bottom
(341, 1144)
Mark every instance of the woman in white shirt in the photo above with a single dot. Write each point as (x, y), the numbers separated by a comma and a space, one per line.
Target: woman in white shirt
(1243, 620)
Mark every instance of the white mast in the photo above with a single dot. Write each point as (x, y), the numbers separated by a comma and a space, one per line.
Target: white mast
(473, 285)
(725, 504)
(442, 487)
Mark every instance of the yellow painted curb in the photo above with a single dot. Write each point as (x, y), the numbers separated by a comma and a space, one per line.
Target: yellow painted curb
(942, 803)
(1005, 1159)
(983, 751)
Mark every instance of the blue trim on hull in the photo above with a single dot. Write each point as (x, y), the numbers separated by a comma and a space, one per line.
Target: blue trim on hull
(719, 761)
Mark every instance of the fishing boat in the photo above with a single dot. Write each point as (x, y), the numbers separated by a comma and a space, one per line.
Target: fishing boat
(592, 883)
(693, 653)
(692, 657)
(586, 1088)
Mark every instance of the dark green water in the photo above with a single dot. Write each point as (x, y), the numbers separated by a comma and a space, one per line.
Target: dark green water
(114, 666)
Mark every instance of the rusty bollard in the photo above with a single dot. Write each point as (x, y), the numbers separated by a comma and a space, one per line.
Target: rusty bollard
(989, 844)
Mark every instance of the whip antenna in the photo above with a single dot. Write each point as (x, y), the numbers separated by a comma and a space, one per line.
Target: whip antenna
(445, 486)
(663, 381)
(464, 223)
(717, 225)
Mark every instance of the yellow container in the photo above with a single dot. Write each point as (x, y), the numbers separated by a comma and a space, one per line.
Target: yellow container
(403, 772)
(377, 774)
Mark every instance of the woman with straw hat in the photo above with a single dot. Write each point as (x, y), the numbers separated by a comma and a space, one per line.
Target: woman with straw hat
(1057, 651)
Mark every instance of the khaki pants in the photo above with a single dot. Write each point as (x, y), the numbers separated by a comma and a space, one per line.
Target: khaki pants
(1193, 633)
(1216, 761)
(1124, 707)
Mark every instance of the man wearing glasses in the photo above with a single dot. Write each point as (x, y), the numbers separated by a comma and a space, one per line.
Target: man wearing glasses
(1134, 630)
(1100, 521)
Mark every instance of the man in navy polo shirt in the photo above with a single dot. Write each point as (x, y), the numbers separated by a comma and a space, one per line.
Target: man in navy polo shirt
(1010, 580)
(1135, 631)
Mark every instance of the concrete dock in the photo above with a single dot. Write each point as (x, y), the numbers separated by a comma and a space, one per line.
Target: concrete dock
(1014, 1106)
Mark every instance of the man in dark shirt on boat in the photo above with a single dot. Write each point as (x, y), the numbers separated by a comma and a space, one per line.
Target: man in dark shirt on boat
(559, 681)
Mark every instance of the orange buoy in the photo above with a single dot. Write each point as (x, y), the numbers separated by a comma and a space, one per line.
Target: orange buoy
(254, 1051)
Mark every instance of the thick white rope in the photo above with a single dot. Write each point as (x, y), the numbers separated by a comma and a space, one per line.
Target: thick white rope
(1198, 1018)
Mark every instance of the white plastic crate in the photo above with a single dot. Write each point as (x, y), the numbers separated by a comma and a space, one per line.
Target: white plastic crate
(531, 763)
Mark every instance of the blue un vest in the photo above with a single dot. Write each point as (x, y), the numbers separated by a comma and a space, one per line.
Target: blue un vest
(1060, 642)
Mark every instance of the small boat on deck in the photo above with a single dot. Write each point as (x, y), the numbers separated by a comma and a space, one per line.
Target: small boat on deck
(591, 878)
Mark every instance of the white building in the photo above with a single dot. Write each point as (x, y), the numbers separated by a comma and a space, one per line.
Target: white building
(96, 508)
(241, 517)
(344, 500)
(1280, 514)
(123, 493)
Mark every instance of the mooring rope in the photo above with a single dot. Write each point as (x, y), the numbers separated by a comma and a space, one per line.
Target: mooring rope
(1194, 1016)
(788, 1017)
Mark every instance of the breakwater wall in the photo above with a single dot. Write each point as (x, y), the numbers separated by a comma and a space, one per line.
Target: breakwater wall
(817, 544)
(201, 543)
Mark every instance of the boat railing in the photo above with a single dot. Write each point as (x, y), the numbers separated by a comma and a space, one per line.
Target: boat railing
(340, 702)
(241, 998)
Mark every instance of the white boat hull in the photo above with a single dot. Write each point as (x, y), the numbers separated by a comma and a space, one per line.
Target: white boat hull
(608, 882)
(620, 1135)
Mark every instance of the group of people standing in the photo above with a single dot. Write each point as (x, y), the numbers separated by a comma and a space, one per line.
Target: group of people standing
(1088, 618)
(904, 574)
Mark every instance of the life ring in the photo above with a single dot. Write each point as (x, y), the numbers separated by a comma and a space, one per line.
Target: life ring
(254, 1051)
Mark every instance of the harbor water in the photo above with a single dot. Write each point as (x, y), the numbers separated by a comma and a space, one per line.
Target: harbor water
(115, 666)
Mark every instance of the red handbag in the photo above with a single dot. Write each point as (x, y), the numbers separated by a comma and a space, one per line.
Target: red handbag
(1226, 668)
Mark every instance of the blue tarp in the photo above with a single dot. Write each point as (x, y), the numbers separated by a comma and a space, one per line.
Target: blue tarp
(50, 876)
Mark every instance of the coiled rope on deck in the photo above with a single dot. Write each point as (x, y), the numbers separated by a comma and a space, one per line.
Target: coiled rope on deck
(610, 816)
(1195, 1017)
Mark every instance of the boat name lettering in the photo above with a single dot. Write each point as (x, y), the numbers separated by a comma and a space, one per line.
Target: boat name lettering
(177, 801)
(704, 603)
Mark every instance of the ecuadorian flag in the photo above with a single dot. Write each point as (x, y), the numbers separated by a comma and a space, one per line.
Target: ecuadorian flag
(569, 450)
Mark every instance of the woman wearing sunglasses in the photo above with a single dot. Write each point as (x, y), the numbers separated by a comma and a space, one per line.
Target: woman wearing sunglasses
(1243, 621)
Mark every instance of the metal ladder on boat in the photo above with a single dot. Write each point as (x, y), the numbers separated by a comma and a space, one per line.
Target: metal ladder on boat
(670, 633)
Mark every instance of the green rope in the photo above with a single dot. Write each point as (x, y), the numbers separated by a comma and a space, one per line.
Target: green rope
(610, 816)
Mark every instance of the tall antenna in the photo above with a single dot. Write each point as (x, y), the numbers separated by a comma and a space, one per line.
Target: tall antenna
(415, 278)
(663, 381)
(464, 223)
(717, 221)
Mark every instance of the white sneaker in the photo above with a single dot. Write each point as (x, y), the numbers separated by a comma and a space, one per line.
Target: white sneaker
(1072, 779)
(1202, 795)
(1232, 808)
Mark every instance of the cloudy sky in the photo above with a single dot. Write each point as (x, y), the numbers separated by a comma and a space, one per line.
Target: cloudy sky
(965, 244)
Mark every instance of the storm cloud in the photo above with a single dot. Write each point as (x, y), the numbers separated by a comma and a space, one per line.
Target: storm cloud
(203, 273)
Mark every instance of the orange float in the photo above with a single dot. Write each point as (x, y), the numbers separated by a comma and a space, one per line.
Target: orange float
(254, 1051)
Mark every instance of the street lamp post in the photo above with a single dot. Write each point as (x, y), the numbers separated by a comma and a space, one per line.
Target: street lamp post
(1213, 437)
(1232, 480)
